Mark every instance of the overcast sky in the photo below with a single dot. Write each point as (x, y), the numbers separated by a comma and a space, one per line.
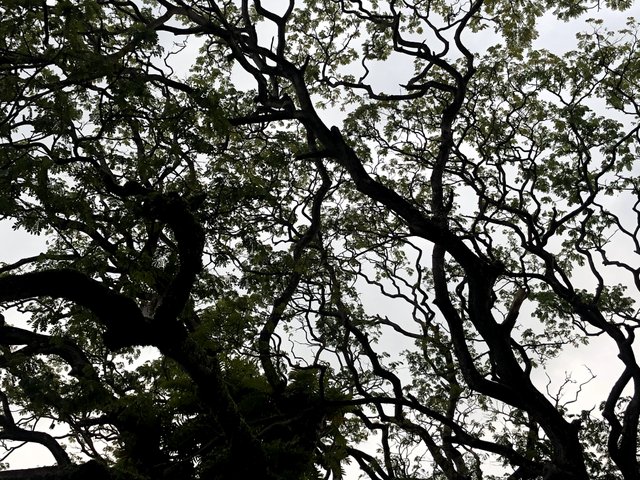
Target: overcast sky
(600, 356)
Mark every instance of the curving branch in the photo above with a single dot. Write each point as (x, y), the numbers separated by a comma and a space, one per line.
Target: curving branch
(282, 301)
(125, 324)
(91, 469)
(11, 431)
(36, 343)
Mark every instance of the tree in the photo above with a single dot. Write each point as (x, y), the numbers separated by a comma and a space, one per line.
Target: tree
(201, 211)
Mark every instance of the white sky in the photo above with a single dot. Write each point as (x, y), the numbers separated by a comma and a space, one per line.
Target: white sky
(600, 356)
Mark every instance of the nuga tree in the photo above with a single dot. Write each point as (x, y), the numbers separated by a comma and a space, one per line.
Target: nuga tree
(320, 239)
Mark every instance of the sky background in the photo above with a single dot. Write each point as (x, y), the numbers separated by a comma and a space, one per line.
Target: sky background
(599, 356)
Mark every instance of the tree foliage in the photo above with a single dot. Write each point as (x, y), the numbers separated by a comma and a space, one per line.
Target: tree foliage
(290, 239)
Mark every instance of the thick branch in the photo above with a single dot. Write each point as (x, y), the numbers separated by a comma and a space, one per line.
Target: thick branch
(91, 470)
(36, 343)
(124, 322)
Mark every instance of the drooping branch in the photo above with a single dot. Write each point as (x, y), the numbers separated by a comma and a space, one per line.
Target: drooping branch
(11, 431)
(36, 343)
(125, 324)
(91, 469)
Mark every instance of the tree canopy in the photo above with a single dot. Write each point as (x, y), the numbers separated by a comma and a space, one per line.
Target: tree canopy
(318, 239)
